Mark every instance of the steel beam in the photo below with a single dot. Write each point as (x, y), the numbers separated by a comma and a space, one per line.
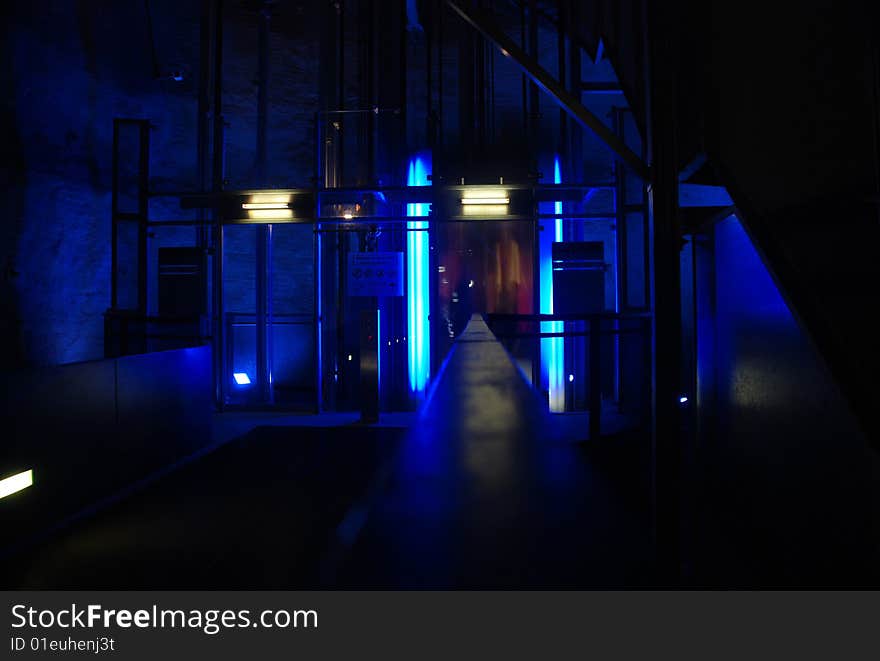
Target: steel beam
(701, 195)
(667, 351)
(593, 87)
(484, 24)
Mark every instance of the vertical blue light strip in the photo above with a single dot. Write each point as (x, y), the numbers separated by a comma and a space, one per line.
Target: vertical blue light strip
(417, 281)
(379, 350)
(552, 348)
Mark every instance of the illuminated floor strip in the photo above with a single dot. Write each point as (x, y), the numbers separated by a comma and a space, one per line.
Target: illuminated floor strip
(16, 483)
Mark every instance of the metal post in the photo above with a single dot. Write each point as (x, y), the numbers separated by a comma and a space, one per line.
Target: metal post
(595, 405)
(534, 99)
(667, 289)
(262, 94)
(143, 210)
(620, 218)
(217, 177)
(261, 319)
(620, 233)
(369, 364)
(114, 228)
(204, 105)
(263, 322)
(561, 76)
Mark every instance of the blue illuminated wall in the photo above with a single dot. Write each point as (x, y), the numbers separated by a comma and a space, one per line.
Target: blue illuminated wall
(69, 68)
(418, 305)
(791, 486)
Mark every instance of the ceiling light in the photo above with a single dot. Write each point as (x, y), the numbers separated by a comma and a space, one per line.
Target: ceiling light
(265, 205)
(486, 200)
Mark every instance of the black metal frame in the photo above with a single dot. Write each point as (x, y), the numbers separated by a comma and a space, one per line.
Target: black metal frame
(595, 334)
(221, 202)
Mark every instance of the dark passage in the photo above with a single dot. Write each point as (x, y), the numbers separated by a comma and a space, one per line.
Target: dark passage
(480, 493)
(258, 513)
(487, 495)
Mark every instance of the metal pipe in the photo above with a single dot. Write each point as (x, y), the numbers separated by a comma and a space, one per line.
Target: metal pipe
(560, 54)
(429, 78)
(262, 95)
(525, 82)
(534, 100)
(440, 23)
(143, 212)
(619, 208)
(595, 401)
(203, 111)
(264, 231)
(217, 176)
(114, 229)
(666, 445)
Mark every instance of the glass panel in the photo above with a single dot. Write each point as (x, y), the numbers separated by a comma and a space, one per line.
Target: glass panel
(484, 266)
(239, 293)
(292, 327)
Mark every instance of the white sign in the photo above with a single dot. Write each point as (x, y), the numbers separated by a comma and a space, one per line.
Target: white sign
(375, 274)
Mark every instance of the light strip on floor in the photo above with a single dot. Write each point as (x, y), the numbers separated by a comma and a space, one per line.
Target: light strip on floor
(16, 483)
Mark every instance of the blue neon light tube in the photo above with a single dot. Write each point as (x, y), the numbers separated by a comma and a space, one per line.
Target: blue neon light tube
(417, 281)
(552, 348)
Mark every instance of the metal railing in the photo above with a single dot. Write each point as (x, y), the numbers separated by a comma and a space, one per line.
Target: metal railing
(612, 349)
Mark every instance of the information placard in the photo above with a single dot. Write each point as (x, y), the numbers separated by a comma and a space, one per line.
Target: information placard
(375, 274)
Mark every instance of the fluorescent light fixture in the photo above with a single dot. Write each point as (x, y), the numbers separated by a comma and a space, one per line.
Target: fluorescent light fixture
(484, 210)
(241, 378)
(270, 214)
(16, 483)
(268, 206)
(485, 200)
(265, 205)
(418, 296)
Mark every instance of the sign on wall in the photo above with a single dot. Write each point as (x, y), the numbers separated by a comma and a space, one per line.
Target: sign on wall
(375, 274)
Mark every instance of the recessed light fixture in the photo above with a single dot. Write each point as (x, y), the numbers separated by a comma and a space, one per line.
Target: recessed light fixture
(241, 378)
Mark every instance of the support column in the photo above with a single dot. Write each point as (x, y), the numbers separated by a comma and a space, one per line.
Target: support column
(217, 177)
(264, 232)
(666, 445)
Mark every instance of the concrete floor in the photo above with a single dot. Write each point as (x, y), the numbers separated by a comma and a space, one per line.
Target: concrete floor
(487, 492)
(481, 489)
